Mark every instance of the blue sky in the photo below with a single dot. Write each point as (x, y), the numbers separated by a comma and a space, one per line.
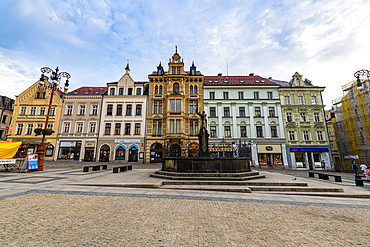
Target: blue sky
(325, 41)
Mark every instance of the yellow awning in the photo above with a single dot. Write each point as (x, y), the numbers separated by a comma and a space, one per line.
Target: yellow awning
(8, 149)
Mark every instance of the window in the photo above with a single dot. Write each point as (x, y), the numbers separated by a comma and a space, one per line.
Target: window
(195, 90)
(273, 131)
(316, 116)
(129, 91)
(211, 95)
(259, 131)
(297, 83)
(157, 128)
(112, 91)
(138, 110)
(155, 108)
(291, 135)
(129, 110)
(138, 91)
(176, 88)
(303, 117)
(52, 111)
(79, 127)
(269, 95)
(160, 108)
(212, 111)
(193, 107)
(227, 131)
(20, 129)
(33, 110)
(94, 110)
(193, 127)
(69, 109)
(300, 100)
(107, 129)
(256, 95)
(172, 126)
(243, 131)
(119, 110)
(50, 126)
(226, 111)
(319, 135)
(4, 119)
(174, 71)
(117, 130)
(306, 136)
(110, 110)
(191, 90)
(120, 91)
(82, 109)
(313, 100)
(226, 95)
(289, 117)
(213, 131)
(287, 100)
(156, 90)
(39, 126)
(178, 125)
(178, 71)
(42, 111)
(178, 105)
(66, 127)
(92, 127)
(137, 129)
(40, 95)
(29, 129)
(241, 95)
(271, 111)
(127, 129)
(257, 111)
(241, 111)
(160, 89)
(23, 110)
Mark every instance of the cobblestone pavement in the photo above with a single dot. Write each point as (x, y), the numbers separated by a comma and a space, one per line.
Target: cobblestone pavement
(76, 164)
(44, 209)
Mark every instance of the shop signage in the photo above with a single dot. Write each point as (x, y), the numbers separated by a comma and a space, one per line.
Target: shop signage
(309, 150)
(89, 144)
(351, 157)
(127, 141)
(67, 144)
(269, 149)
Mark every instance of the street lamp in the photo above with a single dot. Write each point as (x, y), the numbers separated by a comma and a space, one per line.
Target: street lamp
(56, 77)
(361, 73)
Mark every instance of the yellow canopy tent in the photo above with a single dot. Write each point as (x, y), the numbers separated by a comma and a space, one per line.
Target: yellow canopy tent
(8, 149)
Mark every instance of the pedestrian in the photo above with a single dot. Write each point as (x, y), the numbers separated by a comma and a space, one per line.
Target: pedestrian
(367, 174)
(323, 165)
(363, 167)
(355, 167)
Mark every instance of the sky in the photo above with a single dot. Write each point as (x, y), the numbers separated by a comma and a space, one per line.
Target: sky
(325, 41)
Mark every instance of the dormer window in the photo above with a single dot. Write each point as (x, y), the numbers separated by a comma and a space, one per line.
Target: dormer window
(112, 91)
(129, 91)
(120, 91)
(176, 61)
(159, 72)
(297, 83)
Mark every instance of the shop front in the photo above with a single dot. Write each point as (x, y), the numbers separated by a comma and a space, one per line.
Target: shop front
(30, 146)
(128, 150)
(69, 150)
(89, 150)
(270, 155)
(310, 158)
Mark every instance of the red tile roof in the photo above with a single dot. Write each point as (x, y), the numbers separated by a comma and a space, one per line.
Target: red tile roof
(89, 90)
(237, 80)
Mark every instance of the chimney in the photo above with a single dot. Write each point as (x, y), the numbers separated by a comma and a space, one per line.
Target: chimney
(65, 90)
(270, 77)
(219, 74)
(251, 74)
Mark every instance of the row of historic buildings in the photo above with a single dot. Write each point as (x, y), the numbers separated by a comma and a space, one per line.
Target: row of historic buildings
(134, 121)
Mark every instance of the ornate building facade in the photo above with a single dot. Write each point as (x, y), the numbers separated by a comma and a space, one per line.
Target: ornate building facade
(304, 124)
(30, 112)
(175, 96)
(6, 111)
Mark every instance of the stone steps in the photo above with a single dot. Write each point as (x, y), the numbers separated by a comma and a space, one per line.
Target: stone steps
(232, 183)
(240, 189)
(296, 189)
(207, 178)
(204, 174)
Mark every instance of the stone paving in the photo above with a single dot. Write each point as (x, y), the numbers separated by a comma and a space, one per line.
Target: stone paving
(49, 209)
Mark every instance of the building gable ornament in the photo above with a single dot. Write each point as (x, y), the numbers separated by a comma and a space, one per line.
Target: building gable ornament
(319, 125)
(291, 125)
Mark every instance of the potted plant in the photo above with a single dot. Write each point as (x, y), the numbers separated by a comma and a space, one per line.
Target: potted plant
(37, 131)
(47, 132)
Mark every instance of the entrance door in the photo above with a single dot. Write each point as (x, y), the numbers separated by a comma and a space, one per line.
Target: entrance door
(175, 150)
(310, 162)
(104, 153)
(156, 152)
(89, 154)
(132, 157)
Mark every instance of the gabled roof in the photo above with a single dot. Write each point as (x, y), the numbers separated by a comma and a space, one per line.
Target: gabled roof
(89, 91)
(237, 80)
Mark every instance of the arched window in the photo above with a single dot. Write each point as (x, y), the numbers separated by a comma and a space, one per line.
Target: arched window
(160, 90)
(195, 90)
(156, 90)
(176, 88)
(191, 89)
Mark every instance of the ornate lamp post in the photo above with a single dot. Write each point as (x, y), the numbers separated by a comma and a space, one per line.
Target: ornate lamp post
(361, 73)
(56, 77)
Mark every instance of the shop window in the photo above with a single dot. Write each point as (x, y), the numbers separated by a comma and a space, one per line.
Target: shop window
(49, 150)
(262, 159)
(4, 119)
(299, 160)
(277, 158)
(120, 153)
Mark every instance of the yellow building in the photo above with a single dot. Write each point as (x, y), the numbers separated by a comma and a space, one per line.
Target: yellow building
(30, 110)
(174, 99)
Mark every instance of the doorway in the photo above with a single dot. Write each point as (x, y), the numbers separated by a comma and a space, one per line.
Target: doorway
(104, 153)
(132, 157)
(156, 152)
(89, 154)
